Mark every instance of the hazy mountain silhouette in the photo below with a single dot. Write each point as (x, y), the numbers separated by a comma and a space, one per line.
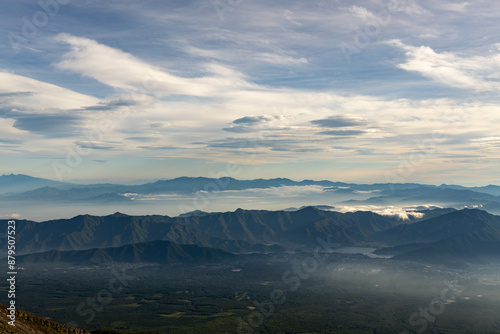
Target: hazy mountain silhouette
(21, 188)
(10, 183)
(159, 251)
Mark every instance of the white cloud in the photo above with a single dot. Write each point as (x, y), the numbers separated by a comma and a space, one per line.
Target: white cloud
(201, 74)
(277, 58)
(452, 6)
(121, 70)
(281, 59)
(391, 211)
(12, 216)
(289, 15)
(451, 69)
(410, 7)
(274, 192)
(362, 13)
(27, 93)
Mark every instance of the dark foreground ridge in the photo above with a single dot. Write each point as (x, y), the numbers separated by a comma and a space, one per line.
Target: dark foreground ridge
(164, 252)
(27, 323)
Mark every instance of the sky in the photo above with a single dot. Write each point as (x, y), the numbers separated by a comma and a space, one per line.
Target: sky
(367, 91)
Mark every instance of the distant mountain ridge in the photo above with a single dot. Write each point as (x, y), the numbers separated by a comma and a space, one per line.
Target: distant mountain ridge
(21, 183)
(18, 189)
(58, 190)
(62, 190)
(429, 235)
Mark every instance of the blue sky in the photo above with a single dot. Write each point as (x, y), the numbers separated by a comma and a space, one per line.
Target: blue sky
(358, 91)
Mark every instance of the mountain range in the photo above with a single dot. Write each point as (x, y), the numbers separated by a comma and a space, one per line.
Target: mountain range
(239, 231)
(444, 236)
(15, 183)
(23, 188)
(457, 237)
(451, 234)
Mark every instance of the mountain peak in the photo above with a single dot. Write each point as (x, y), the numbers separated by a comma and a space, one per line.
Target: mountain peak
(118, 214)
(20, 176)
(309, 208)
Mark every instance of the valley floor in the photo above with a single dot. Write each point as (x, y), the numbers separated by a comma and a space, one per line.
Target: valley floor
(345, 293)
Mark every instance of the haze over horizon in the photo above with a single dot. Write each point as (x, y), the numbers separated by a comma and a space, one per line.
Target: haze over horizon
(364, 92)
(209, 175)
(23, 196)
